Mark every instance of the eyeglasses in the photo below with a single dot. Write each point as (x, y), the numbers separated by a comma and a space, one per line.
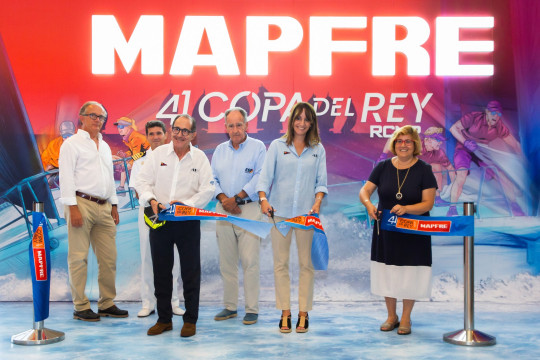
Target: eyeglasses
(496, 113)
(95, 116)
(176, 130)
(406, 142)
(120, 126)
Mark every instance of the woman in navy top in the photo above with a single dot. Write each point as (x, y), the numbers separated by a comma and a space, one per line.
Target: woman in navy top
(400, 263)
(295, 169)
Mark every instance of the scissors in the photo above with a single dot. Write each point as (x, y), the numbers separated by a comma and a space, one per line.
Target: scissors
(271, 211)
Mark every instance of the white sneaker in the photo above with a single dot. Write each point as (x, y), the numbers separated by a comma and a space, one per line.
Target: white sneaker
(177, 310)
(145, 312)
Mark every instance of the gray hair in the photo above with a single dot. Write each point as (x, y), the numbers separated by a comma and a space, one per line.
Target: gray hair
(191, 119)
(88, 103)
(240, 110)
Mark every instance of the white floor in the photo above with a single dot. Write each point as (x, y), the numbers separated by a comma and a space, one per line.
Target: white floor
(337, 331)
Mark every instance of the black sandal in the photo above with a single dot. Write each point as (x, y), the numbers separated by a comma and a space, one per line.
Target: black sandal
(285, 324)
(303, 323)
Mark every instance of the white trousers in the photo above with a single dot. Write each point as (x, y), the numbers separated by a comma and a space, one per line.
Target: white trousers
(238, 244)
(147, 274)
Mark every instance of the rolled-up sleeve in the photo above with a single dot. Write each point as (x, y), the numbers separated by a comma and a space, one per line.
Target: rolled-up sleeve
(215, 159)
(251, 186)
(322, 176)
(269, 166)
(145, 181)
(206, 189)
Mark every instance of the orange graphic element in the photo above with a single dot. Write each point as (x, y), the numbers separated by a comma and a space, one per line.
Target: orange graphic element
(37, 240)
(184, 211)
(408, 224)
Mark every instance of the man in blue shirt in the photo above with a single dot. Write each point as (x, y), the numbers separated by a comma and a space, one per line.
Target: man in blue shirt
(236, 165)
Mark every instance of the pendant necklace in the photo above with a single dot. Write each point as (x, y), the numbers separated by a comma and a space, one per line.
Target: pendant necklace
(399, 195)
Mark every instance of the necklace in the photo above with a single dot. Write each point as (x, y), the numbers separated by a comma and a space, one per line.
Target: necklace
(399, 195)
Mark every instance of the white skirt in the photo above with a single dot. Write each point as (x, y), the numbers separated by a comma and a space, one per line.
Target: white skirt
(401, 282)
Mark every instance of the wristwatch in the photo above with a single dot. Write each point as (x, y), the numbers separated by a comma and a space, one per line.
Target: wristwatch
(239, 200)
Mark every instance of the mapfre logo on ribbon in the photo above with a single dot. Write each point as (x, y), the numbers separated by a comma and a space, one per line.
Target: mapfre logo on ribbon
(424, 225)
(40, 257)
(306, 221)
(182, 210)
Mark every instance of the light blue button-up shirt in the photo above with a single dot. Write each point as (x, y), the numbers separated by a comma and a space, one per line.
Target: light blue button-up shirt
(294, 179)
(236, 170)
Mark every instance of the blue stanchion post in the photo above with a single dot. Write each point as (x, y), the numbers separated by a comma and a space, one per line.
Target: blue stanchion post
(469, 336)
(40, 265)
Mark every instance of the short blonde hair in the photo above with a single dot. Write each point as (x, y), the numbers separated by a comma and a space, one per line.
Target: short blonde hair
(406, 130)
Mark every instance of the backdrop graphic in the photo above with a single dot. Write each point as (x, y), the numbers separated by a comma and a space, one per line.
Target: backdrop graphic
(367, 67)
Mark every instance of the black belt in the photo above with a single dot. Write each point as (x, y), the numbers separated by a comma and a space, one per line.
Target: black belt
(90, 197)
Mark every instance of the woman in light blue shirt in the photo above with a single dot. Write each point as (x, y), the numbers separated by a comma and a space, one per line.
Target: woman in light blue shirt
(295, 169)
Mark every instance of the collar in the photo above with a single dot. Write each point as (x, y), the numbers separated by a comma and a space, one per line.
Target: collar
(86, 134)
(241, 145)
(170, 149)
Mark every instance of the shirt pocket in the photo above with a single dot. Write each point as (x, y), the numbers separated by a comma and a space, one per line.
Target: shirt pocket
(193, 178)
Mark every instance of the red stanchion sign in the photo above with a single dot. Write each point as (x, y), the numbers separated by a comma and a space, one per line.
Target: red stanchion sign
(40, 258)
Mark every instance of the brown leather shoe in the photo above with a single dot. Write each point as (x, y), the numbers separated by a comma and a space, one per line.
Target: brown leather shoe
(159, 328)
(188, 330)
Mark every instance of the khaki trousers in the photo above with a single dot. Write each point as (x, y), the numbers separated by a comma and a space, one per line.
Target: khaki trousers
(281, 246)
(238, 244)
(98, 230)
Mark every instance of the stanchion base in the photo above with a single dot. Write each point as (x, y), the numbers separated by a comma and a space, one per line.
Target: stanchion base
(469, 338)
(38, 337)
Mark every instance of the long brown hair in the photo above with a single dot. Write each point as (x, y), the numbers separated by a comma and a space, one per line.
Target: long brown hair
(312, 137)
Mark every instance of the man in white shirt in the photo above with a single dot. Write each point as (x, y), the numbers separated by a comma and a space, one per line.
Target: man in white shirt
(176, 172)
(236, 165)
(88, 194)
(155, 135)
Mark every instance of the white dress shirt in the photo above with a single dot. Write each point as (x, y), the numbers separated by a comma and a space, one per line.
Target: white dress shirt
(86, 168)
(166, 178)
(135, 169)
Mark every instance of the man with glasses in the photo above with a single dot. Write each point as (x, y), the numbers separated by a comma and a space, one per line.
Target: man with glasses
(88, 194)
(481, 128)
(236, 165)
(136, 143)
(155, 135)
(176, 172)
(49, 156)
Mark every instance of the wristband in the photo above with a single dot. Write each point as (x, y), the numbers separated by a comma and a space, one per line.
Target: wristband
(262, 199)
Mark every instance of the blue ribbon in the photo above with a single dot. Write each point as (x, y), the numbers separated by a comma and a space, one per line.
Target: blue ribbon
(40, 266)
(319, 247)
(428, 225)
